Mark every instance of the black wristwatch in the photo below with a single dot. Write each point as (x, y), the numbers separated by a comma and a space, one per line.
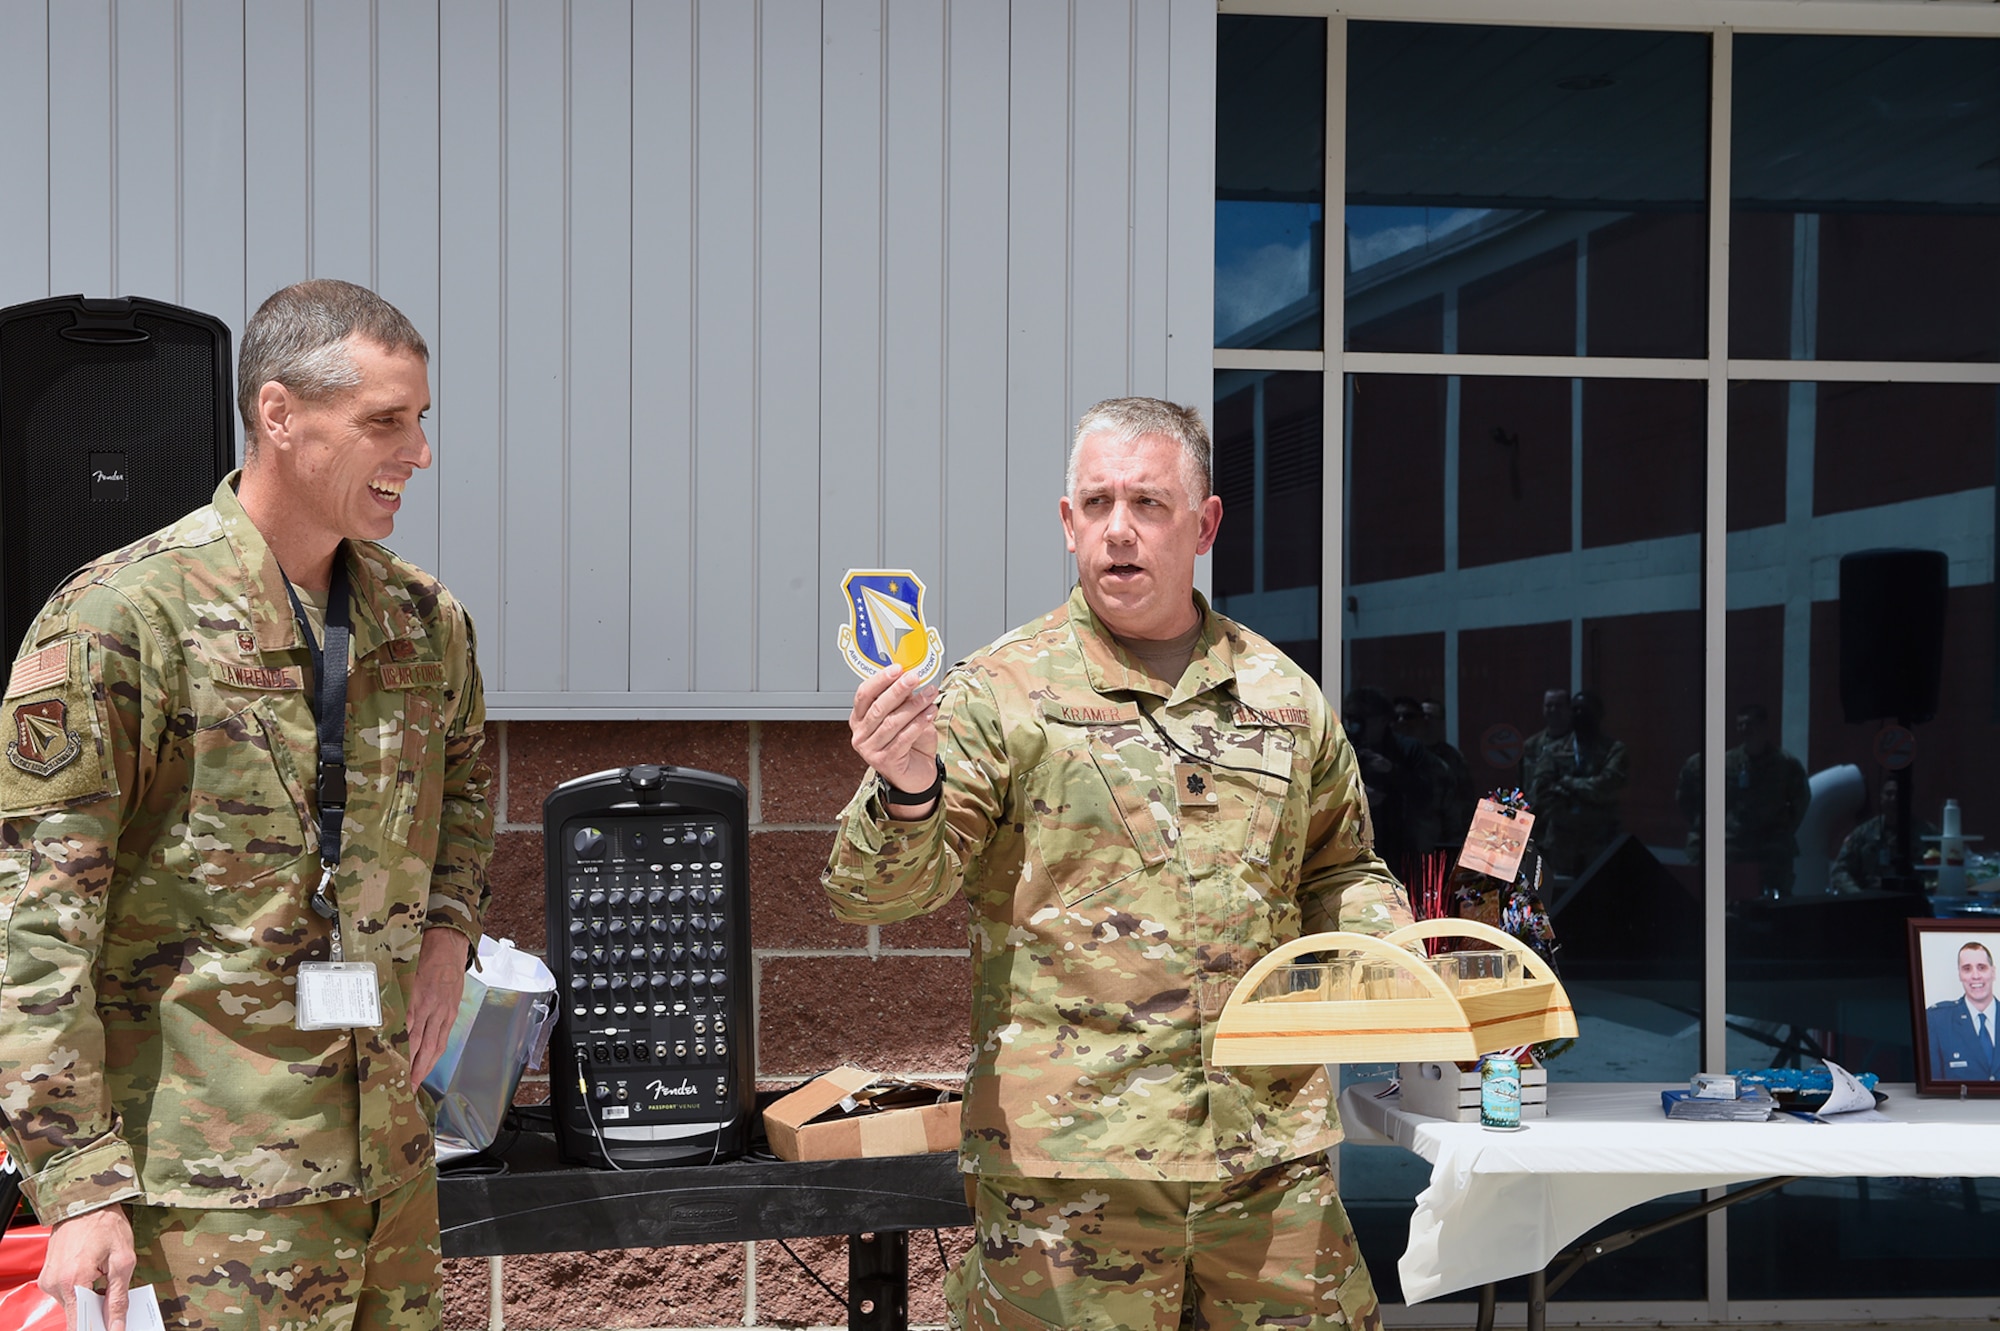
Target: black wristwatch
(891, 795)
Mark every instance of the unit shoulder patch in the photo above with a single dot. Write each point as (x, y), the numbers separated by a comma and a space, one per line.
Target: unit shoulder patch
(42, 743)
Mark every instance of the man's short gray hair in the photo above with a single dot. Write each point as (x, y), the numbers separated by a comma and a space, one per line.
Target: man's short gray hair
(1128, 418)
(299, 338)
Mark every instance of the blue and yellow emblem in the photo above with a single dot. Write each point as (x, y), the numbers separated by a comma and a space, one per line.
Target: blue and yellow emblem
(885, 625)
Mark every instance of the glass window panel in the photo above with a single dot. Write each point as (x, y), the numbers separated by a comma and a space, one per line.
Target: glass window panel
(1757, 454)
(1526, 190)
(1487, 569)
(1516, 449)
(1817, 952)
(1877, 444)
(1643, 459)
(1396, 454)
(1865, 198)
(1270, 181)
(1269, 441)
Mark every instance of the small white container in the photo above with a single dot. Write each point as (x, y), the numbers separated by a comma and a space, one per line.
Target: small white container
(1451, 1092)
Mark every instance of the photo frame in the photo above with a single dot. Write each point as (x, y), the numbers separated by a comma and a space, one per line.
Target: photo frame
(1951, 971)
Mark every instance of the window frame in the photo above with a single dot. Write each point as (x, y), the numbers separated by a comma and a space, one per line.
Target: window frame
(1721, 20)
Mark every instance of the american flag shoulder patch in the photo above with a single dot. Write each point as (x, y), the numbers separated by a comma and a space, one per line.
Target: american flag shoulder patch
(36, 671)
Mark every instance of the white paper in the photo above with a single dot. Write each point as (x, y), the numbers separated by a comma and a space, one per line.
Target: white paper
(1850, 1102)
(336, 994)
(503, 966)
(142, 1310)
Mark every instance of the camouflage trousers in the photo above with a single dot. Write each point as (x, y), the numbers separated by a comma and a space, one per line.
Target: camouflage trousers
(1272, 1248)
(366, 1265)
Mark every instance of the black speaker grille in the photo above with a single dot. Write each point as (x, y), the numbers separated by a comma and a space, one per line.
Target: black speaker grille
(1892, 607)
(101, 443)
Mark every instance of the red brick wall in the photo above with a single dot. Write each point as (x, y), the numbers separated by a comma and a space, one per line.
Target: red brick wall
(893, 998)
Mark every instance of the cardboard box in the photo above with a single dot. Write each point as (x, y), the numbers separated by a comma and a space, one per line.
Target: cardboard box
(898, 1118)
(1450, 1091)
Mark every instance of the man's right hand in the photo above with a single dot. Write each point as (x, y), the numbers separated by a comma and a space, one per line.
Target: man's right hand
(894, 728)
(85, 1249)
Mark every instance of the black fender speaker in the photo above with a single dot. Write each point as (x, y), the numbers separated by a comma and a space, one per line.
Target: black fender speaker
(1891, 634)
(116, 418)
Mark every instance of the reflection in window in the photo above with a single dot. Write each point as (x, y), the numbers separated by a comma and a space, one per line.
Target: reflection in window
(1268, 285)
(1526, 553)
(1270, 182)
(1515, 539)
(1843, 500)
(1526, 190)
(1866, 199)
(1269, 441)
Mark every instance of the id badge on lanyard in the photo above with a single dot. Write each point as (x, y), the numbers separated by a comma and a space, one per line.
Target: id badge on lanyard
(336, 993)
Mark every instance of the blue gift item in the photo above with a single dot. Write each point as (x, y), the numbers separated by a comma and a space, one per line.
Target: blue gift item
(1800, 1088)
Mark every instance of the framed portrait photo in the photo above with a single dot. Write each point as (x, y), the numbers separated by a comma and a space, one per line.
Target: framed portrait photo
(1953, 1010)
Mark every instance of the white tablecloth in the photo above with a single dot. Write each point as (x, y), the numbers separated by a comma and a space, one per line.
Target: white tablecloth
(1502, 1204)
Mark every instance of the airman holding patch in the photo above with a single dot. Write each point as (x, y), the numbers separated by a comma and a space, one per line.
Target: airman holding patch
(1139, 799)
(161, 864)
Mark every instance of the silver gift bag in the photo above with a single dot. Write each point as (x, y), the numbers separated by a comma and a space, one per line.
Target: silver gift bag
(501, 1031)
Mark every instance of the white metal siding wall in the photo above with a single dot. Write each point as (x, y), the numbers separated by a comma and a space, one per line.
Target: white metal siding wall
(724, 297)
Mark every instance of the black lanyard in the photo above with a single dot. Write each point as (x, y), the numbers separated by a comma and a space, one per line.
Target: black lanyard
(329, 708)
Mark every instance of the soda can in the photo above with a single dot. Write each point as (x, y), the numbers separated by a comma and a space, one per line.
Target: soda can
(1499, 1092)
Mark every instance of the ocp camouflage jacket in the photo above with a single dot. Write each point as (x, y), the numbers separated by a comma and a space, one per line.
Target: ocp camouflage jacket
(157, 857)
(1120, 886)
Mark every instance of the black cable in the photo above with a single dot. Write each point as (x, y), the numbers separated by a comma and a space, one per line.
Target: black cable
(1183, 750)
(590, 1113)
(944, 1262)
(840, 1299)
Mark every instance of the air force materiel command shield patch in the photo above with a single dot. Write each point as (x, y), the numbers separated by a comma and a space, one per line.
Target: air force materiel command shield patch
(43, 743)
(885, 625)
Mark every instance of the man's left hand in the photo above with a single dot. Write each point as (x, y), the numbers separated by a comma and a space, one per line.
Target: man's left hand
(434, 1003)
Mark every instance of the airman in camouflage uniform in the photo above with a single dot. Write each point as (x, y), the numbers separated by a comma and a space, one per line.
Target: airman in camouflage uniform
(1132, 836)
(1765, 795)
(160, 855)
(1574, 786)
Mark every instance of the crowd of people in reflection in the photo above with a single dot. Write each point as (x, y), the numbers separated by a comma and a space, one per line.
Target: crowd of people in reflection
(1422, 792)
